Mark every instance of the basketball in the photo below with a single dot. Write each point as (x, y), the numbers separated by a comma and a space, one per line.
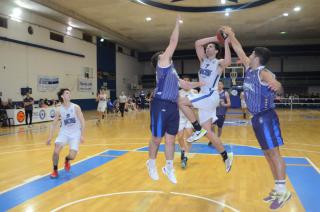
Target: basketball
(221, 36)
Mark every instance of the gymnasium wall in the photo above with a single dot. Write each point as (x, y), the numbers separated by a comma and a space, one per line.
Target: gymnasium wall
(290, 64)
(128, 71)
(21, 65)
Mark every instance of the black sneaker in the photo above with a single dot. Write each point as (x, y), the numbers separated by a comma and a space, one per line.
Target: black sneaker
(184, 162)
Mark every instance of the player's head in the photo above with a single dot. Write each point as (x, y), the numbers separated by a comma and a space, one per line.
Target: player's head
(220, 85)
(155, 58)
(64, 95)
(186, 78)
(259, 56)
(212, 49)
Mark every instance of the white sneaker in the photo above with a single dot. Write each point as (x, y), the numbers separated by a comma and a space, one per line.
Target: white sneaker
(228, 162)
(196, 135)
(169, 174)
(153, 173)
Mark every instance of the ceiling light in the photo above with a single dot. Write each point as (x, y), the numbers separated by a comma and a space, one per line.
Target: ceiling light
(101, 40)
(181, 21)
(223, 1)
(282, 33)
(148, 18)
(285, 14)
(69, 28)
(297, 9)
(16, 12)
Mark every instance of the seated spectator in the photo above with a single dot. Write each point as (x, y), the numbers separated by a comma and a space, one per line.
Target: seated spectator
(8, 105)
(1, 104)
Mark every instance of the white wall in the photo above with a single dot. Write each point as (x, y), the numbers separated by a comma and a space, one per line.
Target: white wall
(128, 70)
(21, 65)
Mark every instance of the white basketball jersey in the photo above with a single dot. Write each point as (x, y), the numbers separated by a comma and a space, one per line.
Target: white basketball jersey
(102, 98)
(69, 121)
(209, 74)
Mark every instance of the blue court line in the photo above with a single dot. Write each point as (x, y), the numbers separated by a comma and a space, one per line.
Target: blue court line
(306, 182)
(205, 149)
(305, 179)
(300, 161)
(17, 196)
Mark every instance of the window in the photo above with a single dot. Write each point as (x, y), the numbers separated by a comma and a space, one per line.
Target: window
(56, 37)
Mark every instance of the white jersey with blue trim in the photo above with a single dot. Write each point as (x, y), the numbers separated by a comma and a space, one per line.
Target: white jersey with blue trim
(209, 74)
(69, 120)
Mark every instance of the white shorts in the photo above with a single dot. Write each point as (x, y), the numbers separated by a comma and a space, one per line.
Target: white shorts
(184, 123)
(72, 139)
(101, 106)
(206, 103)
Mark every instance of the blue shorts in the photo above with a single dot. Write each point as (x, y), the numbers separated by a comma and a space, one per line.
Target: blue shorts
(164, 118)
(266, 126)
(220, 121)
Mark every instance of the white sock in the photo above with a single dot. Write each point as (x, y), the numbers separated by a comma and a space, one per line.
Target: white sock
(152, 162)
(169, 164)
(280, 186)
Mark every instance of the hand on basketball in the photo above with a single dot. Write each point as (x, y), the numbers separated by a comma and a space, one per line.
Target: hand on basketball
(227, 40)
(227, 30)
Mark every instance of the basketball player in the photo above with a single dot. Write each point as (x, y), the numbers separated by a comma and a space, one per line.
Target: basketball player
(122, 103)
(222, 109)
(208, 98)
(71, 131)
(102, 98)
(260, 87)
(164, 111)
(243, 105)
(185, 127)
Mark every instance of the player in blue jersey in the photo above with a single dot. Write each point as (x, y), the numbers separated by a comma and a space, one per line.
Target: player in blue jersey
(221, 110)
(208, 98)
(164, 110)
(260, 88)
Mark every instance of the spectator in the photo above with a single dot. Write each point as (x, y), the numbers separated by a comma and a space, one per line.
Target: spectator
(28, 107)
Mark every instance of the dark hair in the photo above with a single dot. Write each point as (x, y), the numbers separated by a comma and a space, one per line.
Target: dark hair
(61, 92)
(154, 59)
(186, 76)
(216, 46)
(263, 54)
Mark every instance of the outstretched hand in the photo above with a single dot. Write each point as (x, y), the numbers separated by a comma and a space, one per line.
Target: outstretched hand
(227, 30)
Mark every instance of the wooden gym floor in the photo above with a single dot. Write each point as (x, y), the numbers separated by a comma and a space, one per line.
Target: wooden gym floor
(109, 173)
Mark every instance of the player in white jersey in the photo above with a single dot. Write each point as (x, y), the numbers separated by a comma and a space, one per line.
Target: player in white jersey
(185, 127)
(208, 99)
(102, 99)
(71, 130)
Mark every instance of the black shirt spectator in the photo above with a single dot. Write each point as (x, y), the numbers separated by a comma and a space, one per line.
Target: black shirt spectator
(28, 107)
